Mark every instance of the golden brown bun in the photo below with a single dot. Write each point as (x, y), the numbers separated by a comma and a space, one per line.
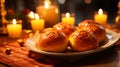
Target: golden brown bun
(52, 40)
(83, 40)
(67, 29)
(96, 28)
(46, 29)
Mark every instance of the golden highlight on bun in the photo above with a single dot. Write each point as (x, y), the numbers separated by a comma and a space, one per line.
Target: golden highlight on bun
(67, 29)
(83, 40)
(96, 28)
(52, 40)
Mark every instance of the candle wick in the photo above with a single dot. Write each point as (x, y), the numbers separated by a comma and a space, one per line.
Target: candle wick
(14, 21)
(47, 3)
(100, 12)
(37, 16)
(31, 14)
(67, 15)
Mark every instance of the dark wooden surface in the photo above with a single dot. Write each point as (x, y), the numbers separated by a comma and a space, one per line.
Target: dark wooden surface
(20, 56)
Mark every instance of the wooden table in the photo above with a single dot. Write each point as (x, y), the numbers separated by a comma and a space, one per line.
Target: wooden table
(15, 54)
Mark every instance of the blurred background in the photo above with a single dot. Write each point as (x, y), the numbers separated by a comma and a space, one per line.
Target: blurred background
(83, 9)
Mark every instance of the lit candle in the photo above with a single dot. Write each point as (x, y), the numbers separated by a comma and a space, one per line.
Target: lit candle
(49, 13)
(37, 24)
(28, 21)
(31, 15)
(101, 17)
(14, 29)
(68, 19)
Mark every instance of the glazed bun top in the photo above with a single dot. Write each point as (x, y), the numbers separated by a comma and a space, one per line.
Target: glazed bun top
(83, 34)
(52, 34)
(83, 39)
(67, 29)
(52, 40)
(96, 28)
(47, 29)
(90, 24)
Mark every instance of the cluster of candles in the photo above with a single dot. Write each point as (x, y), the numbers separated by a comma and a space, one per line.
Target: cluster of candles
(37, 24)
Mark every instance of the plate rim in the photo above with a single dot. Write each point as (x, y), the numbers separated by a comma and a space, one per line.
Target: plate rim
(110, 43)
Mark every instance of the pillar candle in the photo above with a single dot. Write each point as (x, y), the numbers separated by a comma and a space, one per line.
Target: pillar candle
(14, 29)
(49, 13)
(100, 17)
(37, 24)
(68, 19)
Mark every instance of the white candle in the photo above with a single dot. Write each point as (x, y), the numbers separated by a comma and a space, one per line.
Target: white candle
(68, 19)
(100, 17)
(14, 29)
(37, 24)
(49, 13)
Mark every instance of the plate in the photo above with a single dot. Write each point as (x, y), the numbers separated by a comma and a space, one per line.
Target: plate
(112, 38)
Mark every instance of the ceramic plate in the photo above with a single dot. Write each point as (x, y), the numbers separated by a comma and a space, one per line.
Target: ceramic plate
(112, 38)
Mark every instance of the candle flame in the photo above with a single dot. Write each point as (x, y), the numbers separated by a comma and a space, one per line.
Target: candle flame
(100, 12)
(47, 3)
(31, 14)
(37, 16)
(14, 21)
(67, 14)
(56, 10)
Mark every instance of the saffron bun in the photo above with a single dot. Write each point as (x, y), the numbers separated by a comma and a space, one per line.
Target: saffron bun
(67, 29)
(83, 40)
(51, 40)
(96, 28)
